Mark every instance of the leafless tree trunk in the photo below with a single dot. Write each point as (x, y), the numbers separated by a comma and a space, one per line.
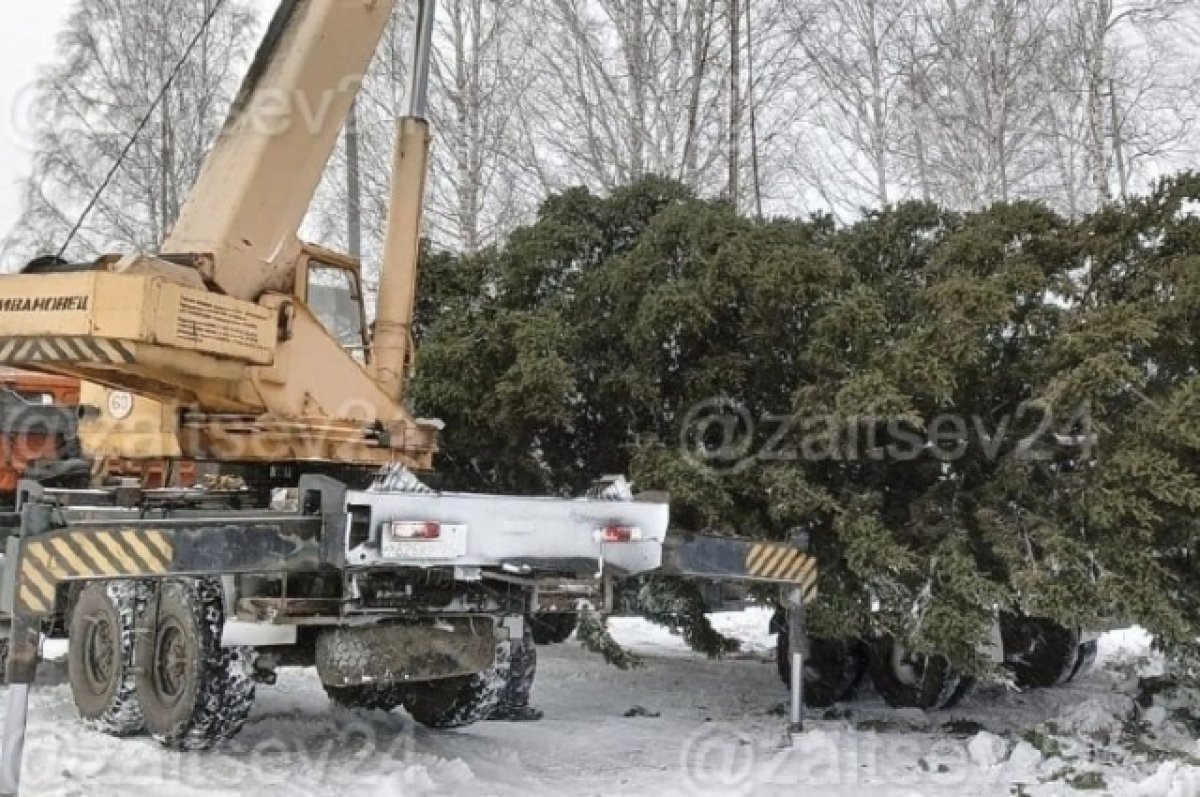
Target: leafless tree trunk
(354, 229)
(1118, 144)
(755, 164)
(701, 47)
(734, 133)
(1094, 53)
(853, 49)
(636, 63)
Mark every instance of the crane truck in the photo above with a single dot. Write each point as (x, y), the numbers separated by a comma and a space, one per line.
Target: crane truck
(248, 348)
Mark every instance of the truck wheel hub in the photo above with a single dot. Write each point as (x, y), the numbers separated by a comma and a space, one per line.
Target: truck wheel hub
(171, 661)
(100, 659)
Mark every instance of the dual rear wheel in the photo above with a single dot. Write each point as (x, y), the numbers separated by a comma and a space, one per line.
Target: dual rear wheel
(834, 669)
(1041, 653)
(187, 691)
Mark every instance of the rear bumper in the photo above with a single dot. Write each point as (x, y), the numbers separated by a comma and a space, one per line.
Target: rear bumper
(516, 534)
(403, 653)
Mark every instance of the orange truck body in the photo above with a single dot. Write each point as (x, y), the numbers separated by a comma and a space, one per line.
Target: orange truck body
(19, 448)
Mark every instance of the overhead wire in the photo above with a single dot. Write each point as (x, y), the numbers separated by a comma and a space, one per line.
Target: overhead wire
(137, 133)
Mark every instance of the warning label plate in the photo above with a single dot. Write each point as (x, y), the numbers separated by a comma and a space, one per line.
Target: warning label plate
(218, 324)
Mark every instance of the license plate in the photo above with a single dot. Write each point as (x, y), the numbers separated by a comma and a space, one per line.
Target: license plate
(451, 545)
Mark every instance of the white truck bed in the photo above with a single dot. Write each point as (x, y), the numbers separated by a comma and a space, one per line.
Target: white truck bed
(513, 532)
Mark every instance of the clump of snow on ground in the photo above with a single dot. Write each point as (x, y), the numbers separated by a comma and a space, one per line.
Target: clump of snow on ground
(749, 627)
(1129, 647)
(681, 725)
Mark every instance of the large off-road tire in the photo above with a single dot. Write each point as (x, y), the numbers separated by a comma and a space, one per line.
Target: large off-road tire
(194, 693)
(463, 700)
(553, 627)
(911, 680)
(372, 697)
(102, 631)
(832, 672)
(1040, 653)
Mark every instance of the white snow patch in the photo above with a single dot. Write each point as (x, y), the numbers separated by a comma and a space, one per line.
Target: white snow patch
(710, 728)
(750, 627)
(1126, 645)
(1188, 209)
(1171, 780)
(987, 749)
(1025, 757)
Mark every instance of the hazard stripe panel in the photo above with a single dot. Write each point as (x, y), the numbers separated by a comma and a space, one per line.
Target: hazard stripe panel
(76, 556)
(18, 351)
(780, 562)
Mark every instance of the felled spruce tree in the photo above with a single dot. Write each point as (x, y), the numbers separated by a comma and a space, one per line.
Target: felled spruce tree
(966, 412)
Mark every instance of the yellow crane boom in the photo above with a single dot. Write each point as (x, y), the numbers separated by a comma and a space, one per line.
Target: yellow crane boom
(254, 343)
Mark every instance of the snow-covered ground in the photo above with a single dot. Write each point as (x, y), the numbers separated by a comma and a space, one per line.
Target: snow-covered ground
(679, 726)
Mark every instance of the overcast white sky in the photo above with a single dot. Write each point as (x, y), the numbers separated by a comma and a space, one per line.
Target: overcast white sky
(27, 43)
(27, 32)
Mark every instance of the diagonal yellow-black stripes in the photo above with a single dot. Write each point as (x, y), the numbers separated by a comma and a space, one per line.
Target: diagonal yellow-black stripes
(56, 349)
(781, 562)
(85, 555)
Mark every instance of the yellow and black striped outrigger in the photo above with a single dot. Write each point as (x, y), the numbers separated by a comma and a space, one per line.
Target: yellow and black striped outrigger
(87, 555)
(785, 563)
(732, 559)
(103, 550)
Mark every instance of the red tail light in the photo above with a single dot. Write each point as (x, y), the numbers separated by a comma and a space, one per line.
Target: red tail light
(406, 531)
(612, 534)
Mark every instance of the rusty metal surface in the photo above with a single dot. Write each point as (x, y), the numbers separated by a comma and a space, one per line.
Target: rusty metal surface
(273, 609)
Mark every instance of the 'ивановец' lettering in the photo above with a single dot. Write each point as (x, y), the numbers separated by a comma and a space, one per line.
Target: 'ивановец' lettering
(43, 304)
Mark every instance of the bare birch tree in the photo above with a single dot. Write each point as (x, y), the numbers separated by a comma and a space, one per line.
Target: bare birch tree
(1134, 94)
(628, 88)
(855, 52)
(733, 134)
(479, 85)
(984, 92)
(477, 189)
(115, 57)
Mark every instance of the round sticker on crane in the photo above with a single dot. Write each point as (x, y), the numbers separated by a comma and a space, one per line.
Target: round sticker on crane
(120, 404)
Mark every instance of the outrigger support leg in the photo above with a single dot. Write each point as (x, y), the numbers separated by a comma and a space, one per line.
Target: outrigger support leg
(20, 671)
(793, 602)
